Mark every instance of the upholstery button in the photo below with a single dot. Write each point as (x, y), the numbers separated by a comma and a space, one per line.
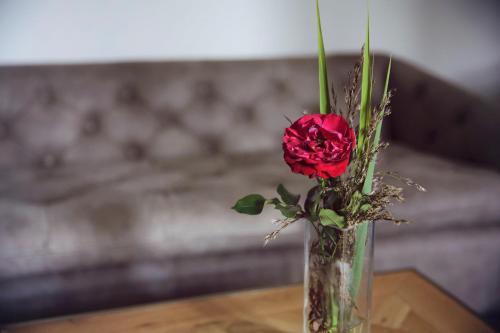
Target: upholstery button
(247, 113)
(279, 86)
(91, 124)
(4, 130)
(129, 94)
(212, 143)
(169, 119)
(206, 92)
(47, 96)
(50, 161)
(133, 151)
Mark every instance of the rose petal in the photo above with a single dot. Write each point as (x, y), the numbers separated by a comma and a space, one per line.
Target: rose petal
(318, 145)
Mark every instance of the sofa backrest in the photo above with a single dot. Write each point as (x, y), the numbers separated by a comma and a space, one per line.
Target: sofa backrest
(57, 115)
(435, 116)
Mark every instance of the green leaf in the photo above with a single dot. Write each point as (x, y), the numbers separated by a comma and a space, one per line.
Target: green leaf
(328, 217)
(251, 204)
(365, 114)
(355, 202)
(324, 97)
(365, 107)
(387, 77)
(273, 201)
(359, 256)
(367, 186)
(288, 211)
(362, 229)
(286, 196)
(364, 207)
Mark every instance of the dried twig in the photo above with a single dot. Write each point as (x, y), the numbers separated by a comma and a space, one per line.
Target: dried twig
(282, 224)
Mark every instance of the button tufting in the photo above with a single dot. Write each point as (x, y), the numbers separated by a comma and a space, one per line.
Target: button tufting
(49, 161)
(212, 143)
(129, 94)
(168, 119)
(134, 151)
(4, 130)
(91, 124)
(206, 91)
(47, 96)
(247, 113)
(279, 86)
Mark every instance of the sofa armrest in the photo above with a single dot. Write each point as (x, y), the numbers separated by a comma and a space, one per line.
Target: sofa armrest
(432, 115)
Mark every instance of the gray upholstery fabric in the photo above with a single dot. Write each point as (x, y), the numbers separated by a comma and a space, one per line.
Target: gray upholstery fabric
(463, 261)
(116, 182)
(157, 210)
(434, 116)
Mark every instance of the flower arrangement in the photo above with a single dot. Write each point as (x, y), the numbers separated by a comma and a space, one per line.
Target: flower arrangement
(338, 148)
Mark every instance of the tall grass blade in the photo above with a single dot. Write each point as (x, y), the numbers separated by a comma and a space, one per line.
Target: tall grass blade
(364, 120)
(376, 138)
(365, 107)
(324, 98)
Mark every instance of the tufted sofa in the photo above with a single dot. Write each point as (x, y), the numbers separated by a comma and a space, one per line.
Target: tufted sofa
(116, 181)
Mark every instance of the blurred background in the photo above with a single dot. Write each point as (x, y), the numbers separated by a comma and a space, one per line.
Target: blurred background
(456, 39)
(128, 129)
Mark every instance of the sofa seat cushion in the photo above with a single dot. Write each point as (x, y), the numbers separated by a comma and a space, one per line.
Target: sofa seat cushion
(85, 218)
(458, 195)
(143, 211)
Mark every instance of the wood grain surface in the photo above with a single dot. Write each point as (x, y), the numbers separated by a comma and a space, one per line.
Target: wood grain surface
(403, 302)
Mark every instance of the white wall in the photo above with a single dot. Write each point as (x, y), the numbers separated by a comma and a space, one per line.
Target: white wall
(458, 39)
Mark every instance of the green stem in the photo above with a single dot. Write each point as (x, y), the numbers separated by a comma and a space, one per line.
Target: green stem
(333, 309)
(357, 266)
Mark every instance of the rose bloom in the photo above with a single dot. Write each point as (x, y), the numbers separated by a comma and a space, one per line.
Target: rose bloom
(319, 145)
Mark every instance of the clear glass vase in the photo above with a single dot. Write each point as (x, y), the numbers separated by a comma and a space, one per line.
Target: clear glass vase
(338, 278)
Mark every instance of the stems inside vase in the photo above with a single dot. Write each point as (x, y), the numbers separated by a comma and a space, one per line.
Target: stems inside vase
(331, 304)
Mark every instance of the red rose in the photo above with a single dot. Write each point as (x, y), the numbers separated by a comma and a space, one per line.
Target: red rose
(319, 145)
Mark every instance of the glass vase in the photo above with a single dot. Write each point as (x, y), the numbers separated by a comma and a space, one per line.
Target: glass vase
(338, 278)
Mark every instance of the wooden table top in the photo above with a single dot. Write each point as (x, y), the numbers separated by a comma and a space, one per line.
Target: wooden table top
(402, 302)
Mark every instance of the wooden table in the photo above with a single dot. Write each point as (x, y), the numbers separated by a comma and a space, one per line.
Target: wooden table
(403, 302)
